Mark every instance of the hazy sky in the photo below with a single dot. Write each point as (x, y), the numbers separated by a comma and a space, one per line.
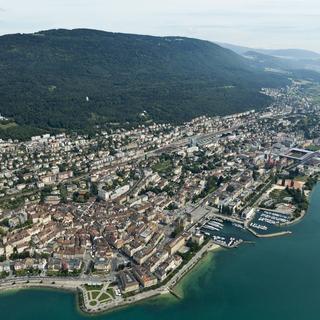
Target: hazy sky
(255, 23)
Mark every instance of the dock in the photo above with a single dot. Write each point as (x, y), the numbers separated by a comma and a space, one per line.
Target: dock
(175, 294)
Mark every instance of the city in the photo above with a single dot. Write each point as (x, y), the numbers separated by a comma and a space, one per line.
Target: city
(123, 215)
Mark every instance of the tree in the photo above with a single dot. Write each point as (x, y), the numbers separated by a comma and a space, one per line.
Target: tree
(230, 188)
(94, 189)
(63, 193)
(220, 181)
(255, 175)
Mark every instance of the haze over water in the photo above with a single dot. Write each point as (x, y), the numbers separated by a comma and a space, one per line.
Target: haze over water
(275, 279)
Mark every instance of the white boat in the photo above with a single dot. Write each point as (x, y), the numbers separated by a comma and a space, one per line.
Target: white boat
(215, 223)
(211, 228)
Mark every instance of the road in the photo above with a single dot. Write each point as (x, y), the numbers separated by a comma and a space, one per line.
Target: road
(165, 289)
(187, 267)
(174, 146)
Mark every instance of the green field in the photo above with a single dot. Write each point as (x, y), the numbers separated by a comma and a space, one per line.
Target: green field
(163, 167)
(314, 92)
(104, 297)
(94, 294)
(279, 195)
(110, 291)
(313, 148)
(98, 294)
(302, 178)
(93, 287)
(5, 126)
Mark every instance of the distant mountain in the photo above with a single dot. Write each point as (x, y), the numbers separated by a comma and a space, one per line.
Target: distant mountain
(283, 59)
(235, 48)
(297, 54)
(76, 79)
(266, 61)
(291, 68)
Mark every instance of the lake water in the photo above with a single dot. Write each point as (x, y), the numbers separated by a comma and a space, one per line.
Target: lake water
(277, 278)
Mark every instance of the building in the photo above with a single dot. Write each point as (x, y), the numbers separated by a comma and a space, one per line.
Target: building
(175, 245)
(146, 278)
(128, 283)
(102, 265)
(198, 238)
(294, 184)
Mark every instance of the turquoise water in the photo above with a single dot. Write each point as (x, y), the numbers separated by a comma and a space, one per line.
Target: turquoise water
(276, 278)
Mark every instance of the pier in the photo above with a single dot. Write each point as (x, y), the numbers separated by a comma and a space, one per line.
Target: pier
(270, 235)
(228, 218)
(175, 294)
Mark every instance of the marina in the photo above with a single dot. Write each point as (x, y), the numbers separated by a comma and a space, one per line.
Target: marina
(211, 290)
(224, 233)
(268, 222)
(230, 234)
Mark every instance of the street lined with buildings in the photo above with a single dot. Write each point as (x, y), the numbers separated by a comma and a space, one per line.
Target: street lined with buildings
(127, 213)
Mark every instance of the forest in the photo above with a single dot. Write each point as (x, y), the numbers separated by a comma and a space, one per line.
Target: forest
(80, 79)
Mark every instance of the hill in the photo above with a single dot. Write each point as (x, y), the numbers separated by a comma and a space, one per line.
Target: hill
(75, 79)
(266, 61)
(285, 59)
(296, 54)
(291, 67)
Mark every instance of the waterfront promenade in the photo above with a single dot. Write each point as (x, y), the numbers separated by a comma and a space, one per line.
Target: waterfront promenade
(41, 282)
(75, 284)
(165, 289)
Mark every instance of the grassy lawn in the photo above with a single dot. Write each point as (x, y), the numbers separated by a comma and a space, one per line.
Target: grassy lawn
(12, 204)
(314, 91)
(279, 195)
(21, 273)
(9, 125)
(302, 178)
(316, 99)
(313, 147)
(212, 189)
(3, 274)
(163, 167)
(111, 292)
(92, 287)
(104, 297)
(94, 294)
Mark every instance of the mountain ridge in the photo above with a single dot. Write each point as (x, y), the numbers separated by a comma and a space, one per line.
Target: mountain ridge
(284, 53)
(50, 76)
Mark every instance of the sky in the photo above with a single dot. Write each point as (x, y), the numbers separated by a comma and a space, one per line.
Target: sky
(253, 23)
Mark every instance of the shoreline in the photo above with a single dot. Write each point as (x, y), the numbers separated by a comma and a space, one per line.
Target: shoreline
(24, 285)
(166, 289)
(68, 285)
(75, 286)
(36, 288)
(270, 235)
